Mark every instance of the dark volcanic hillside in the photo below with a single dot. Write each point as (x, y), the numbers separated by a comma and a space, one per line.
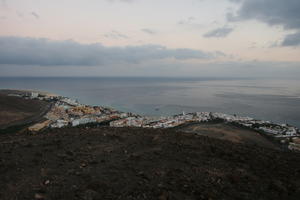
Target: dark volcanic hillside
(109, 163)
(18, 111)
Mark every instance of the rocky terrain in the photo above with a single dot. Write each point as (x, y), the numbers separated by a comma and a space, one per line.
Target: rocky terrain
(136, 163)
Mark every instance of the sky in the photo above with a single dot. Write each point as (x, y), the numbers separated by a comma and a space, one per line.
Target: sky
(216, 38)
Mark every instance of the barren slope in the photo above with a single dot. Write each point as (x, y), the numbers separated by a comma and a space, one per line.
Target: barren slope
(110, 163)
(16, 110)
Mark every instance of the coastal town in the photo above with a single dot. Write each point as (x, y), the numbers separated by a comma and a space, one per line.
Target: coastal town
(66, 112)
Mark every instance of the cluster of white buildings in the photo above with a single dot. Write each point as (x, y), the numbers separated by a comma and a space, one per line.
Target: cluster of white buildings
(68, 112)
(37, 95)
(284, 133)
(267, 127)
(162, 122)
(276, 130)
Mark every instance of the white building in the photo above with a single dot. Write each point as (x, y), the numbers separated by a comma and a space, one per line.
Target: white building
(81, 121)
(71, 102)
(34, 95)
(59, 124)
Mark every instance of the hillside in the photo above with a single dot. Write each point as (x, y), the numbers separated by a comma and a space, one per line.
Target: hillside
(16, 111)
(135, 163)
(227, 131)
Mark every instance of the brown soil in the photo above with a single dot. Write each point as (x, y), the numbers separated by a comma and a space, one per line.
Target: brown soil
(17, 111)
(124, 163)
(229, 132)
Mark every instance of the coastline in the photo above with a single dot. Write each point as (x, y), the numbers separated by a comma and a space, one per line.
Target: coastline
(69, 112)
(263, 99)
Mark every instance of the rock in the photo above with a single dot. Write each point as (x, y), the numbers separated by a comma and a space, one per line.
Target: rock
(83, 165)
(39, 196)
(90, 195)
(164, 196)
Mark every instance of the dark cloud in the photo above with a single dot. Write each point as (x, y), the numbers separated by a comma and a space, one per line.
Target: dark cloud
(272, 12)
(285, 13)
(31, 51)
(219, 32)
(292, 40)
(149, 31)
(34, 14)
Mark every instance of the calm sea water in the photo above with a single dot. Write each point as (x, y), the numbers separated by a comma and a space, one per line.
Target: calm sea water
(268, 99)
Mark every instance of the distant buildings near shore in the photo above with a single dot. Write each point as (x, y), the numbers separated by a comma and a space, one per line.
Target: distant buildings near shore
(69, 112)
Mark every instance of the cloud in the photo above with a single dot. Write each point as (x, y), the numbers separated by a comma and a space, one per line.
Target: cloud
(149, 31)
(235, 1)
(190, 23)
(32, 51)
(189, 20)
(219, 32)
(115, 35)
(272, 12)
(292, 40)
(3, 3)
(34, 14)
(124, 1)
(19, 14)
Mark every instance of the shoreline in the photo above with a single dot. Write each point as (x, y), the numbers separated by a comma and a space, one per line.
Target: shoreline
(29, 91)
(256, 99)
(69, 112)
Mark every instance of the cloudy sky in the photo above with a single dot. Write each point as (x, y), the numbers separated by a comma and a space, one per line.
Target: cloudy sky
(150, 38)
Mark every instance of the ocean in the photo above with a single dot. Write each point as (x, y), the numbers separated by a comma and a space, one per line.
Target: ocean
(276, 100)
